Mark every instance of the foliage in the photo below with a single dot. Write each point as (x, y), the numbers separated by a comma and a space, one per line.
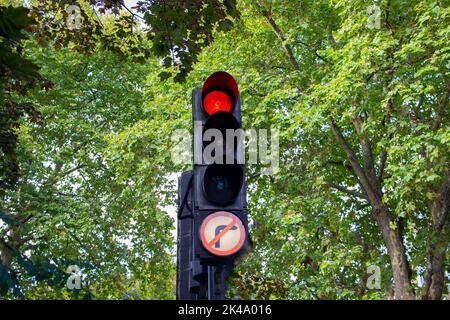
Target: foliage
(80, 188)
(16, 75)
(178, 29)
(364, 146)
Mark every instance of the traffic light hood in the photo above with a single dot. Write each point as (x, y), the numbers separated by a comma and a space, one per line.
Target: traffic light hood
(221, 81)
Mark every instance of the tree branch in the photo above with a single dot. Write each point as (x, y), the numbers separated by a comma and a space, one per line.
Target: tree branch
(341, 164)
(353, 193)
(372, 196)
(267, 14)
(73, 169)
(131, 12)
(366, 151)
(381, 164)
(307, 46)
(442, 107)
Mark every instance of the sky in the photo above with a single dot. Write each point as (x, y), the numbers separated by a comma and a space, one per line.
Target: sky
(130, 3)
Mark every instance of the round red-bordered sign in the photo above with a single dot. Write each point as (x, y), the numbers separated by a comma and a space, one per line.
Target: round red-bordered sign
(222, 233)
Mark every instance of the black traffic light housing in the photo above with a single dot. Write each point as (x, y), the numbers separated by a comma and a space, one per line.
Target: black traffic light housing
(214, 188)
(218, 185)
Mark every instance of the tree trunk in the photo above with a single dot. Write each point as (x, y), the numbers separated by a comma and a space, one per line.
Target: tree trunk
(435, 273)
(396, 251)
(7, 250)
(6, 253)
(369, 182)
(6, 256)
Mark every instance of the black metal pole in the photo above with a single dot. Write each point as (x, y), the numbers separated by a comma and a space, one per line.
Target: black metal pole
(210, 283)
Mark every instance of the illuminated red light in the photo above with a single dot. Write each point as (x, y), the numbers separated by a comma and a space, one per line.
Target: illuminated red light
(216, 101)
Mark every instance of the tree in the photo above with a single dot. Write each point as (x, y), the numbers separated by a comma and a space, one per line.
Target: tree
(366, 143)
(86, 195)
(77, 161)
(16, 75)
(360, 95)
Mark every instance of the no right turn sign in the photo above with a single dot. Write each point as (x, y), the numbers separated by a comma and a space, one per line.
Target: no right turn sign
(222, 233)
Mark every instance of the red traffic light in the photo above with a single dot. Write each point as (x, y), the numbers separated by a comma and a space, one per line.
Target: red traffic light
(216, 101)
(219, 93)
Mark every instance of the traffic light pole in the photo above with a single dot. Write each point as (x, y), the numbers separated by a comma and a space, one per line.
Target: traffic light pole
(211, 283)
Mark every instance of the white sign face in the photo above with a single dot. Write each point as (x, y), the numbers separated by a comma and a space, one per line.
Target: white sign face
(222, 233)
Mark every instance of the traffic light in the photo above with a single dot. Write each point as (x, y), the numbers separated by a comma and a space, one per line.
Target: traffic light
(212, 208)
(220, 208)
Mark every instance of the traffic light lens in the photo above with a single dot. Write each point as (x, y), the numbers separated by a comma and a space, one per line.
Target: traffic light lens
(222, 183)
(216, 101)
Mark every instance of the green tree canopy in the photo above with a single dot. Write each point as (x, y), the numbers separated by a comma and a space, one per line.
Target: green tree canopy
(359, 91)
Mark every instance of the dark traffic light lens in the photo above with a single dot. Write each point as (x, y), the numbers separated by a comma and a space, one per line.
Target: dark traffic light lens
(222, 183)
(222, 121)
(216, 101)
